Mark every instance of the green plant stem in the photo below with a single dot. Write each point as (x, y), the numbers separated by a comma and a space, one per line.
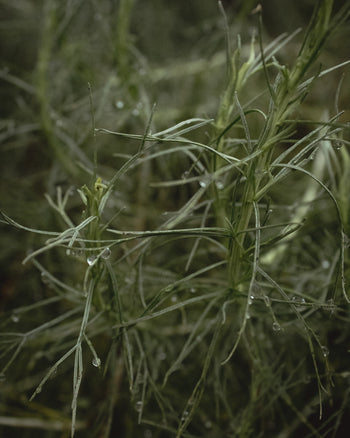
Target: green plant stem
(122, 39)
(285, 96)
(43, 87)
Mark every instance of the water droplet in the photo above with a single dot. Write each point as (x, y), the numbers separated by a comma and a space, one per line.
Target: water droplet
(267, 301)
(96, 362)
(184, 416)
(185, 174)
(174, 298)
(325, 351)
(338, 145)
(219, 185)
(203, 184)
(119, 104)
(161, 356)
(276, 327)
(44, 278)
(138, 406)
(325, 264)
(15, 318)
(331, 305)
(106, 253)
(208, 424)
(91, 260)
(135, 112)
(298, 300)
(247, 315)
(193, 290)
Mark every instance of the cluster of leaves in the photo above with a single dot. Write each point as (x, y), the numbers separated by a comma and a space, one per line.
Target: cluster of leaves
(197, 283)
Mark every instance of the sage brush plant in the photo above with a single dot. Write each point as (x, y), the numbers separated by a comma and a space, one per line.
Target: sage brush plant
(195, 284)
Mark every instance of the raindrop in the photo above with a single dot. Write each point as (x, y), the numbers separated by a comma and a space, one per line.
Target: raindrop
(325, 264)
(185, 174)
(298, 300)
(96, 362)
(91, 260)
(338, 145)
(135, 112)
(276, 327)
(208, 424)
(203, 184)
(325, 351)
(161, 356)
(247, 315)
(106, 253)
(44, 278)
(184, 416)
(138, 406)
(15, 318)
(331, 305)
(219, 185)
(119, 104)
(193, 290)
(174, 298)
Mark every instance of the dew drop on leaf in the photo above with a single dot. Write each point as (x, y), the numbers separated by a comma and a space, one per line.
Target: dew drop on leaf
(15, 318)
(138, 406)
(91, 260)
(325, 351)
(96, 362)
(106, 253)
(276, 327)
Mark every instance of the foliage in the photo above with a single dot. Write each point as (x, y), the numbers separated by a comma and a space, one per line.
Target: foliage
(186, 272)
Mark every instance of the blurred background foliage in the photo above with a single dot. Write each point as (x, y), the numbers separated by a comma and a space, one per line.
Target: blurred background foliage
(133, 54)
